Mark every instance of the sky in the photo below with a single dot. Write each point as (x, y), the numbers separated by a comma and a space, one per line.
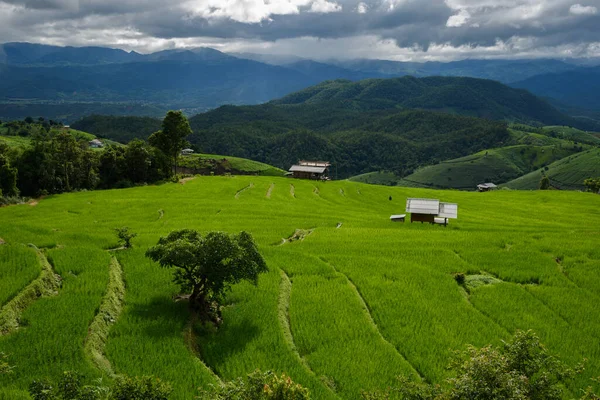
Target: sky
(402, 30)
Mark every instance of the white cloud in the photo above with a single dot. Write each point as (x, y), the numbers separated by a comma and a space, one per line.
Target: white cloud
(324, 6)
(459, 19)
(578, 9)
(246, 11)
(362, 8)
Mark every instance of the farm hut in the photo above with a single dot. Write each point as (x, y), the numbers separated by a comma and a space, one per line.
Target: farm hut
(486, 187)
(431, 210)
(187, 152)
(317, 170)
(96, 144)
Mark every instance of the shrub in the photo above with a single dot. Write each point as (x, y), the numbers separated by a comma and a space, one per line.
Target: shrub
(125, 236)
(144, 388)
(257, 386)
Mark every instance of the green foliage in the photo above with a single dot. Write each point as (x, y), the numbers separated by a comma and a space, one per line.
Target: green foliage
(171, 138)
(208, 265)
(125, 236)
(71, 387)
(356, 141)
(545, 183)
(120, 129)
(520, 369)
(144, 388)
(5, 367)
(257, 386)
(592, 184)
(8, 178)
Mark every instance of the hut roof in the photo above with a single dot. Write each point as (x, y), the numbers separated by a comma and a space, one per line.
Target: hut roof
(305, 168)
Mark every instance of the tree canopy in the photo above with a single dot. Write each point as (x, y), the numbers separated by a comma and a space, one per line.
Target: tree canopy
(208, 265)
(171, 138)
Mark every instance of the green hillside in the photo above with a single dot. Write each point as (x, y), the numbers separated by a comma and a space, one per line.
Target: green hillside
(18, 134)
(496, 165)
(354, 141)
(567, 173)
(466, 96)
(357, 302)
(376, 178)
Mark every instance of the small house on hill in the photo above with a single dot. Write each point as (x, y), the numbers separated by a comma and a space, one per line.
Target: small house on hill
(187, 152)
(317, 170)
(96, 144)
(486, 187)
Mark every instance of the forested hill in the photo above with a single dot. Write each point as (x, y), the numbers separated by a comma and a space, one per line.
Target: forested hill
(466, 96)
(354, 140)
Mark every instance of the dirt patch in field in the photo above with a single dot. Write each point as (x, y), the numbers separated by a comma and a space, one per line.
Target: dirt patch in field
(298, 235)
(293, 191)
(270, 191)
(33, 203)
(184, 180)
(2, 241)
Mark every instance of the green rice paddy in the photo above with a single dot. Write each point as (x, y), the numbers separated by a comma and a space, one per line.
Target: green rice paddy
(355, 302)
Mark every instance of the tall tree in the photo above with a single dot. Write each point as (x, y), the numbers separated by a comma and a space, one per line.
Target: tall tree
(8, 178)
(171, 138)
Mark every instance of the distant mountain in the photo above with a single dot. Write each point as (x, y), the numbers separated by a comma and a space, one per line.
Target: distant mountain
(273, 59)
(326, 72)
(465, 96)
(38, 54)
(501, 70)
(576, 88)
(181, 79)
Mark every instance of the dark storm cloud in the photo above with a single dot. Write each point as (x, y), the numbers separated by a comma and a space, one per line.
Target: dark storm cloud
(413, 24)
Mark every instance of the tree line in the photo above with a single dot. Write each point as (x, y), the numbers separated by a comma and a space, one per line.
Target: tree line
(58, 162)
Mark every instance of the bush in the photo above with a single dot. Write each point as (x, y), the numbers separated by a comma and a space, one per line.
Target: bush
(257, 386)
(125, 236)
(520, 369)
(70, 387)
(144, 388)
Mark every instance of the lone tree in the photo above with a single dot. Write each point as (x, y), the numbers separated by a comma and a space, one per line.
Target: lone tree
(171, 138)
(125, 236)
(208, 265)
(545, 183)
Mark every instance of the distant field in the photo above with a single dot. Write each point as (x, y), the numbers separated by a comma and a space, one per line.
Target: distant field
(23, 141)
(232, 163)
(359, 301)
(567, 173)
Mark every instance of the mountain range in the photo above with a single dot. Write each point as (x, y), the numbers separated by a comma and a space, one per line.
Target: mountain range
(55, 82)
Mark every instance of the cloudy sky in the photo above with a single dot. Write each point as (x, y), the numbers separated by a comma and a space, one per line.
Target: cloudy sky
(388, 29)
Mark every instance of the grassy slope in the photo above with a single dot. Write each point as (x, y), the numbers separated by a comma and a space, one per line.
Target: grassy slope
(496, 165)
(369, 300)
(23, 141)
(376, 178)
(534, 149)
(567, 173)
(233, 163)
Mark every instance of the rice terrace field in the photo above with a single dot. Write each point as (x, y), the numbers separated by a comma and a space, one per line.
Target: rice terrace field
(357, 301)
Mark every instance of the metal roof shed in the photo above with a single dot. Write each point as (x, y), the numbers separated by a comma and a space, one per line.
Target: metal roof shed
(422, 206)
